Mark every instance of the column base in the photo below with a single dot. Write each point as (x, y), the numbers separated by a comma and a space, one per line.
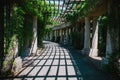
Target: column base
(85, 51)
(93, 52)
(17, 66)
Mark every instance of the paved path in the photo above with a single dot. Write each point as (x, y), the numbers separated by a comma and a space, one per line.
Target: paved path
(58, 63)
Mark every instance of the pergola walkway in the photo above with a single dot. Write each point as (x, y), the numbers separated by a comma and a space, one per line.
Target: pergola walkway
(58, 63)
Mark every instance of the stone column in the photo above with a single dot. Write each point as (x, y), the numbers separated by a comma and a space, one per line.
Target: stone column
(86, 48)
(94, 49)
(34, 42)
(71, 36)
(67, 36)
(55, 35)
(109, 49)
(61, 35)
(64, 36)
(58, 35)
(51, 34)
(53, 38)
(81, 37)
(108, 45)
(73, 29)
(47, 36)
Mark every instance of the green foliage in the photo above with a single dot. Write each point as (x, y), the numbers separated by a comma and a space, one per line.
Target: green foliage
(28, 31)
(15, 28)
(83, 11)
(102, 35)
(43, 12)
(9, 57)
(19, 27)
(72, 17)
(20, 24)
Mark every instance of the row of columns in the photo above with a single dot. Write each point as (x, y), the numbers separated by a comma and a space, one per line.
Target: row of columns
(93, 50)
(61, 35)
(90, 47)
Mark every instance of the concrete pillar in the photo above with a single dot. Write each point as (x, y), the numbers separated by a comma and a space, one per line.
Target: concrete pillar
(58, 35)
(53, 38)
(67, 36)
(61, 36)
(47, 36)
(57, 32)
(109, 49)
(108, 45)
(81, 37)
(71, 32)
(94, 49)
(73, 29)
(64, 35)
(109, 42)
(34, 42)
(51, 34)
(55, 35)
(86, 48)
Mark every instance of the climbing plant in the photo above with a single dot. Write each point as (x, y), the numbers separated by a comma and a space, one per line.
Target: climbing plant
(13, 37)
(19, 23)
(102, 35)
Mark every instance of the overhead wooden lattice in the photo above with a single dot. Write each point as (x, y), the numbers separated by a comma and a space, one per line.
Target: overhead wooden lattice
(62, 7)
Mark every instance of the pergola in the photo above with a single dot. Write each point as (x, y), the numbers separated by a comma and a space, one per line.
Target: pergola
(63, 7)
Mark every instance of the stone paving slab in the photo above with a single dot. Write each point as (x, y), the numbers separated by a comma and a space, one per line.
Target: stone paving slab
(59, 63)
(54, 64)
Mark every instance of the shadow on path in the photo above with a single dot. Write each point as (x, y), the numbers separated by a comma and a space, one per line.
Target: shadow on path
(86, 67)
(58, 63)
